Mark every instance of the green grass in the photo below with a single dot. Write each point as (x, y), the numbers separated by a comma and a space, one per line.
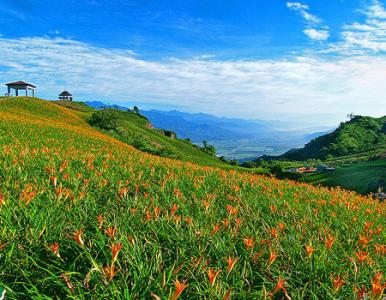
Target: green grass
(81, 108)
(363, 177)
(174, 220)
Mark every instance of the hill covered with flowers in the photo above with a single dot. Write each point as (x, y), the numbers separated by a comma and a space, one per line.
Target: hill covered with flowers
(83, 215)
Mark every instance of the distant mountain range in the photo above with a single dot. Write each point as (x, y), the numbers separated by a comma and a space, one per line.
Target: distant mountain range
(201, 126)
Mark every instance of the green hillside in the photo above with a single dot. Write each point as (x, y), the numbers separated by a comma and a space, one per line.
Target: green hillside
(86, 216)
(137, 131)
(357, 135)
(363, 177)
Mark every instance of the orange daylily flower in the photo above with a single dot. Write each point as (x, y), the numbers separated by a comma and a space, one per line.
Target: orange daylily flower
(279, 286)
(368, 225)
(377, 287)
(281, 226)
(272, 257)
(115, 248)
(249, 243)
(215, 229)
(379, 248)
(231, 263)
(77, 236)
(337, 283)
(110, 272)
(309, 250)
(329, 242)
(174, 209)
(55, 249)
(361, 292)
(225, 222)
(362, 256)
(157, 212)
(363, 240)
(212, 275)
(54, 180)
(28, 193)
(180, 287)
(111, 231)
(274, 232)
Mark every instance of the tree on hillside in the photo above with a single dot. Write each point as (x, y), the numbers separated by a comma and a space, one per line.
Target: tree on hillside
(105, 119)
(351, 116)
(136, 109)
(209, 149)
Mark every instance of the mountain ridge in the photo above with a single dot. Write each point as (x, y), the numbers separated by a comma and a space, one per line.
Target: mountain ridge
(351, 137)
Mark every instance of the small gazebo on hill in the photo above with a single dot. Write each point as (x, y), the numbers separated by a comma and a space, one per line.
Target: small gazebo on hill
(65, 95)
(20, 85)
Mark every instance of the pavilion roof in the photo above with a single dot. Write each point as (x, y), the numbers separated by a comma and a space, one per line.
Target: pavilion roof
(65, 93)
(20, 83)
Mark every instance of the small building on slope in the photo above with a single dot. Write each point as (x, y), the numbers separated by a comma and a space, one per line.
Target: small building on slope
(65, 95)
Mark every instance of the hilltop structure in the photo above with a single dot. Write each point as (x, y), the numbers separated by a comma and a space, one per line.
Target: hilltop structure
(20, 85)
(65, 95)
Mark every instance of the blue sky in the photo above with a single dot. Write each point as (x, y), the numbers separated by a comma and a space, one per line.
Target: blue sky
(311, 60)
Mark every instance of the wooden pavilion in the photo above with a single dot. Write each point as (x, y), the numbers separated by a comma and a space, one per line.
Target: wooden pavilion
(20, 85)
(65, 95)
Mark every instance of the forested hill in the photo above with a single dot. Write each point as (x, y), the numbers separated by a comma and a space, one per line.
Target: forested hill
(357, 135)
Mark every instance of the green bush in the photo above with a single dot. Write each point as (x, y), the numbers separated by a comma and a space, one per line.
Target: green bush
(105, 119)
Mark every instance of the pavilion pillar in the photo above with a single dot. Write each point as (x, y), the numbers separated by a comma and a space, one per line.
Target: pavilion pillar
(33, 93)
(9, 91)
(26, 91)
(17, 92)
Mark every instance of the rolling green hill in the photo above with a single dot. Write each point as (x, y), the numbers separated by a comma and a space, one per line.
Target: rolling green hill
(360, 134)
(137, 131)
(86, 216)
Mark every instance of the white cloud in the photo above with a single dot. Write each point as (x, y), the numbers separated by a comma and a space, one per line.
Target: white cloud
(376, 10)
(310, 89)
(319, 35)
(367, 37)
(303, 10)
(297, 6)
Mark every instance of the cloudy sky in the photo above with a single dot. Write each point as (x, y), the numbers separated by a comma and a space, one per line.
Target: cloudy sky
(314, 61)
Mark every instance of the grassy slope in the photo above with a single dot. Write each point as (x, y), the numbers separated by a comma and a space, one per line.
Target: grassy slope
(363, 177)
(133, 127)
(174, 220)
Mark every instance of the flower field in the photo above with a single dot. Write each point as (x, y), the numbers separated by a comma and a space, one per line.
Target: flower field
(84, 216)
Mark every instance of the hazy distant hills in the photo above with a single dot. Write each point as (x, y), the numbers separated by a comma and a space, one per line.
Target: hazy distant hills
(233, 138)
(201, 126)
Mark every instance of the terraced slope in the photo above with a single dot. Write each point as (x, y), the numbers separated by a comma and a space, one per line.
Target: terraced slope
(83, 216)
